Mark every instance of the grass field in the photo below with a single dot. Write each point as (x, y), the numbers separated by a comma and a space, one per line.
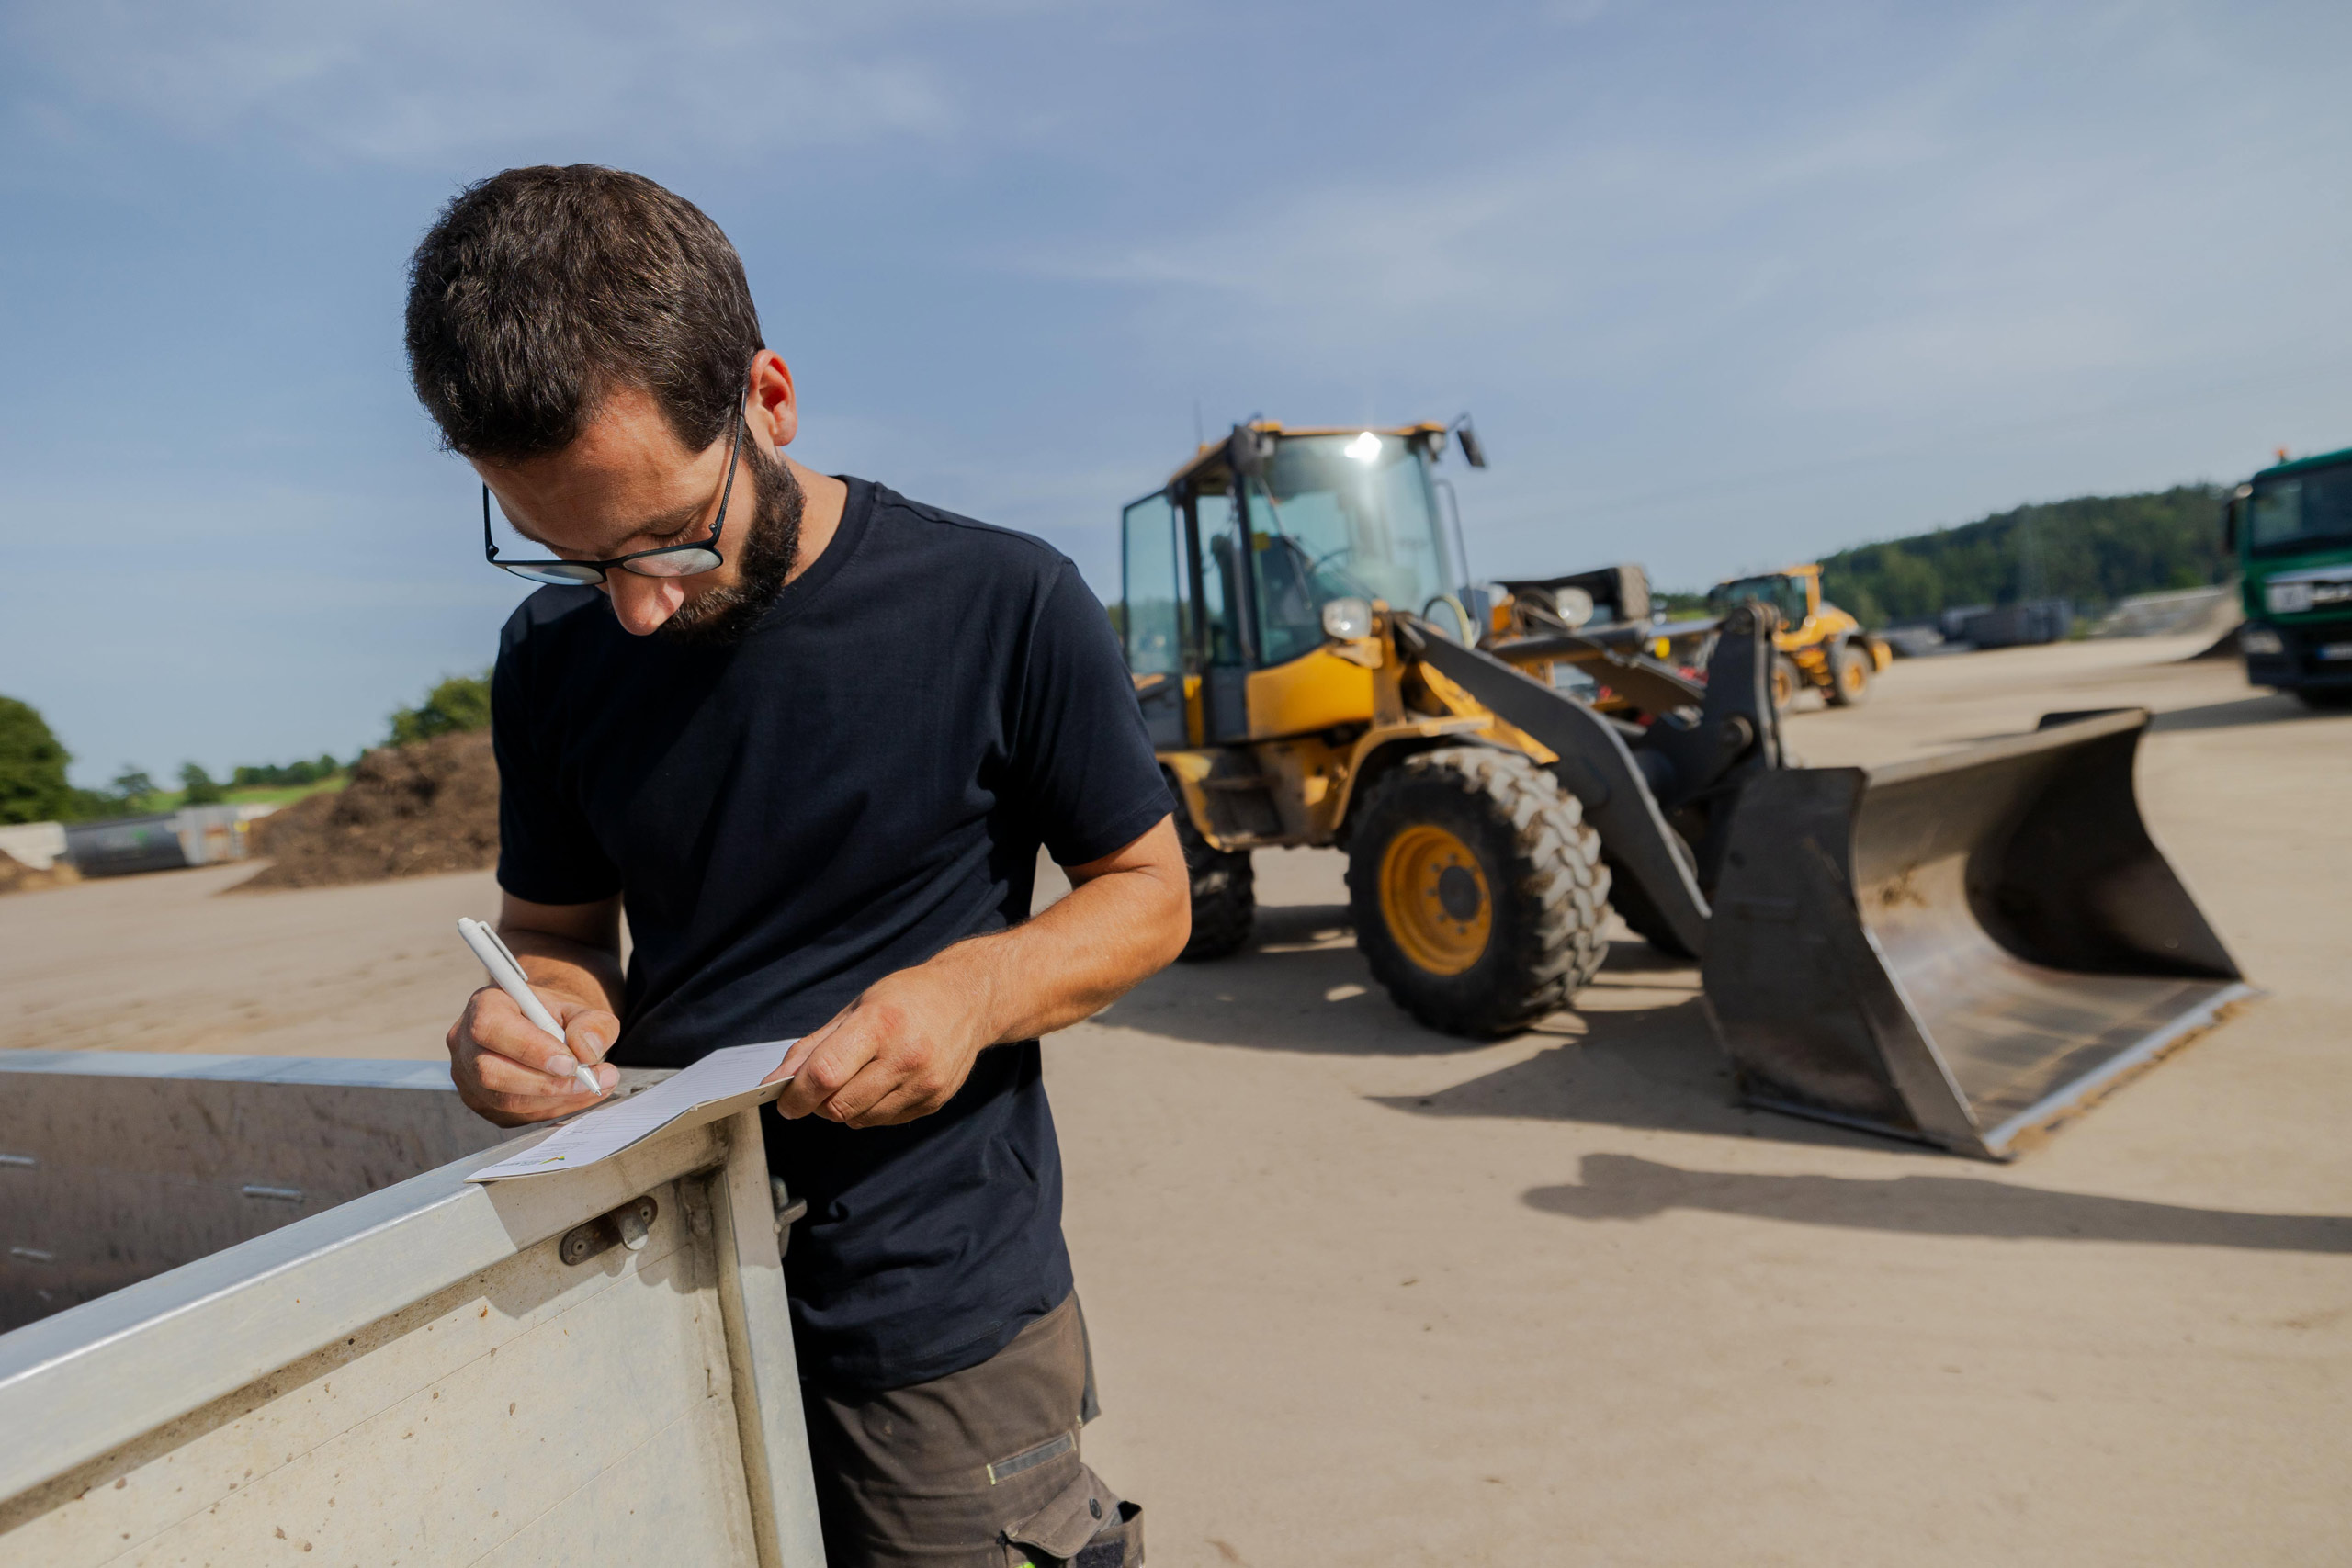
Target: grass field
(285, 795)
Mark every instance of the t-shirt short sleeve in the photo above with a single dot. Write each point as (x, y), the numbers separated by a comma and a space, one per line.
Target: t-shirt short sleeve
(1081, 758)
(547, 854)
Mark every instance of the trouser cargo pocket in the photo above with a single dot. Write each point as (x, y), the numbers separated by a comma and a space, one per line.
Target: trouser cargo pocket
(1085, 1525)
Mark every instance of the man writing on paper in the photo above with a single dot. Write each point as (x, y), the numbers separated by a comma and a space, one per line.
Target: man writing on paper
(810, 735)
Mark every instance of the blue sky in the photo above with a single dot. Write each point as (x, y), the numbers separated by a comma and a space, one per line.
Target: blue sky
(1723, 284)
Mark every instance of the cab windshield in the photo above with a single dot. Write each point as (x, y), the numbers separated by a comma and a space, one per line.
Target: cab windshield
(2307, 511)
(1785, 596)
(1338, 517)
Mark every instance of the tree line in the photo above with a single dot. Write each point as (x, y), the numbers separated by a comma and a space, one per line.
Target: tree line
(2093, 549)
(33, 762)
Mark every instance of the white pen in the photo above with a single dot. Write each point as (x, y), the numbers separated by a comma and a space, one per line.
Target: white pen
(507, 976)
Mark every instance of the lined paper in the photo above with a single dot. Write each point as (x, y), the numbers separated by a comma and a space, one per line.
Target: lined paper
(732, 1073)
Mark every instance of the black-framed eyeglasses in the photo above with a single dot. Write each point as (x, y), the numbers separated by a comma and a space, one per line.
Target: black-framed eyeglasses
(667, 561)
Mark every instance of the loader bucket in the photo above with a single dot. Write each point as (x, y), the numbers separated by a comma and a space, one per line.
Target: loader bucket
(1963, 949)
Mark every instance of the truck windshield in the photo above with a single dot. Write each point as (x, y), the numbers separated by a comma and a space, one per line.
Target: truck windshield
(1784, 595)
(2306, 511)
(1335, 518)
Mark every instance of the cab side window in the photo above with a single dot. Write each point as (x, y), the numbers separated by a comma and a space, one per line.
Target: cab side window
(1153, 581)
(1222, 641)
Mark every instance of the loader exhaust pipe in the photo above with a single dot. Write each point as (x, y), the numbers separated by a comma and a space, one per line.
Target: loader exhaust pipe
(1964, 949)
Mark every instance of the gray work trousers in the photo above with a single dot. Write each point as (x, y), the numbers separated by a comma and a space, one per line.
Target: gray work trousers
(979, 1469)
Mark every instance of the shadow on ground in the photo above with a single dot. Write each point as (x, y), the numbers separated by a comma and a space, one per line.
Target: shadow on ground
(1656, 1067)
(1625, 1187)
(1302, 985)
(2272, 707)
(1303, 988)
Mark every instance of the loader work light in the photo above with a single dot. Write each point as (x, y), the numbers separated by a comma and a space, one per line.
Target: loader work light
(1345, 620)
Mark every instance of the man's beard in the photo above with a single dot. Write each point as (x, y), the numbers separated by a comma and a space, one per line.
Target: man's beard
(723, 616)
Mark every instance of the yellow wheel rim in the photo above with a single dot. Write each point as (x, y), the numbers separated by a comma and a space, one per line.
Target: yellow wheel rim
(1855, 677)
(1435, 899)
(1784, 686)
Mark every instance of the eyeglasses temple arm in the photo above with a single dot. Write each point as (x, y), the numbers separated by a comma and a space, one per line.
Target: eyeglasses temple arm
(489, 546)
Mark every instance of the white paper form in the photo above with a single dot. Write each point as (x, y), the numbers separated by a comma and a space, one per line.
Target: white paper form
(731, 1074)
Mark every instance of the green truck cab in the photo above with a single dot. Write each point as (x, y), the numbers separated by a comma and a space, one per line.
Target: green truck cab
(2290, 526)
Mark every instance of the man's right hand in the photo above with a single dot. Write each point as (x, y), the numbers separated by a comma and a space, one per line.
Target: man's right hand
(508, 1069)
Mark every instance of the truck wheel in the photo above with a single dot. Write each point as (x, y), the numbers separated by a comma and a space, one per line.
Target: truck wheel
(1224, 894)
(1787, 682)
(1477, 890)
(1849, 675)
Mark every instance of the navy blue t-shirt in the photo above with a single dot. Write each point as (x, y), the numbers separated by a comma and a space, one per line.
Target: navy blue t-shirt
(861, 782)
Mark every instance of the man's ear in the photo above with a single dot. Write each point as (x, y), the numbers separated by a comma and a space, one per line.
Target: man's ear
(772, 412)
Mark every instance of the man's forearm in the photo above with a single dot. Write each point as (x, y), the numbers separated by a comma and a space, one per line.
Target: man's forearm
(1079, 956)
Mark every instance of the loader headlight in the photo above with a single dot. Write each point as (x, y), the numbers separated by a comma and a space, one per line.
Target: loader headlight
(2260, 641)
(1345, 620)
(1574, 605)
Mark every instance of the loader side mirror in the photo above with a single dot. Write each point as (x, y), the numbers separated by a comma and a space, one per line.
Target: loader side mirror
(1473, 451)
(2229, 512)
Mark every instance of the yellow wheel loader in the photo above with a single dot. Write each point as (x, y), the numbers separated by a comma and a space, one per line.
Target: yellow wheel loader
(1959, 951)
(1820, 646)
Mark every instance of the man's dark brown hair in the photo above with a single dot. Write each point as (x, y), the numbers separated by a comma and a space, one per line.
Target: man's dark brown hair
(541, 289)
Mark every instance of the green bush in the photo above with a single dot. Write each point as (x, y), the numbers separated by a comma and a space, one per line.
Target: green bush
(198, 787)
(458, 704)
(287, 776)
(32, 768)
(129, 789)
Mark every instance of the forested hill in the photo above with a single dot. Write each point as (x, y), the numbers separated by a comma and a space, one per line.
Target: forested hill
(2094, 549)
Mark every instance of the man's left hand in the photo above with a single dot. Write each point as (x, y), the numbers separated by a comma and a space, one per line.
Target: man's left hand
(901, 1051)
(905, 1047)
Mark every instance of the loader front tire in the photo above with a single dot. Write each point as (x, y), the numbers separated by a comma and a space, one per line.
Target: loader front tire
(1477, 890)
(1849, 675)
(1224, 894)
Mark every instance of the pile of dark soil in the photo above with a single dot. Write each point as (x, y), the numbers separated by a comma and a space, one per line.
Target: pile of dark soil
(408, 811)
(15, 876)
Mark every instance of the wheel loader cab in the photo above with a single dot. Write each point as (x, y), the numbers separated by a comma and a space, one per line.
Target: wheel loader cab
(1230, 564)
(1228, 571)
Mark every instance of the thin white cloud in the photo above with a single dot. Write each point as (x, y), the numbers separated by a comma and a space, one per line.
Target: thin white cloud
(421, 81)
(1993, 232)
